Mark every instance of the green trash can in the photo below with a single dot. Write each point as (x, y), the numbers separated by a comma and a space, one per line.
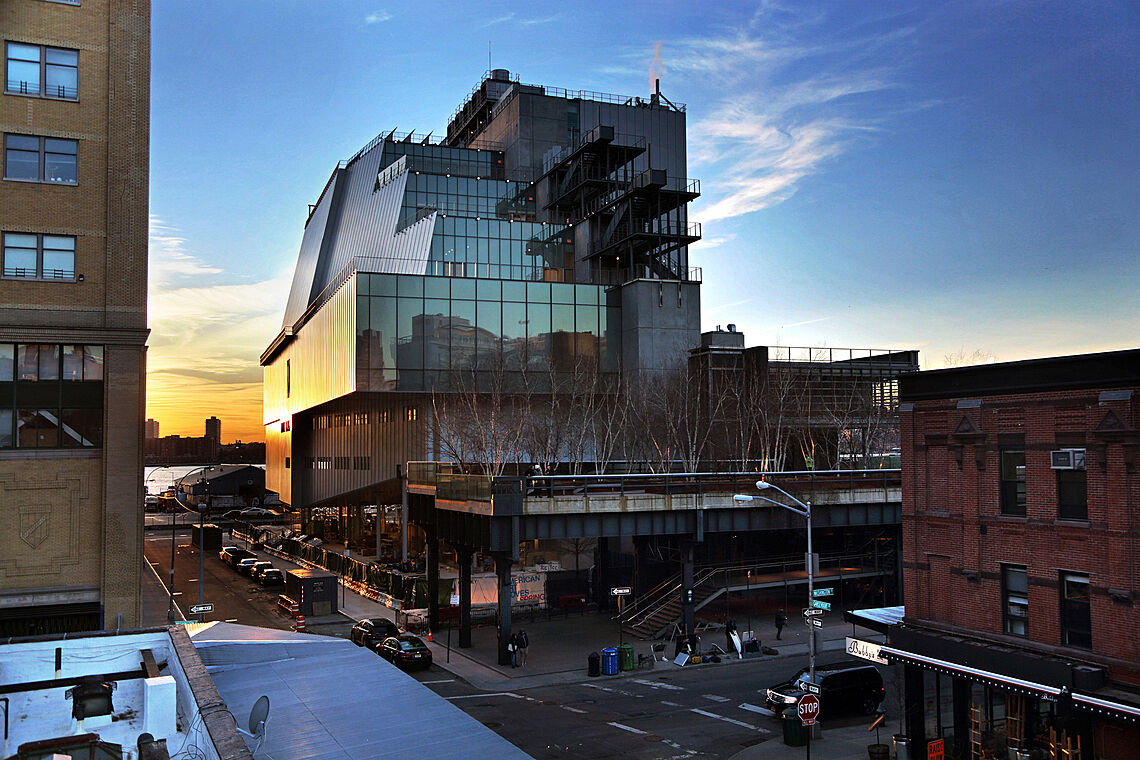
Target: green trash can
(625, 656)
(795, 733)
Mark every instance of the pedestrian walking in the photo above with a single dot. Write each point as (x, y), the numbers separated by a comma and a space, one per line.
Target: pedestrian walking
(513, 648)
(781, 621)
(729, 629)
(522, 643)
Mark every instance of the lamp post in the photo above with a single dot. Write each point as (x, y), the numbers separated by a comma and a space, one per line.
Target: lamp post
(805, 512)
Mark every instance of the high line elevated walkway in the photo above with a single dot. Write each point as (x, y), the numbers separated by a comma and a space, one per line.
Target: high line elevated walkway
(494, 514)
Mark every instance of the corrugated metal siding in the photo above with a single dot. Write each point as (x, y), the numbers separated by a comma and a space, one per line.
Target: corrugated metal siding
(309, 256)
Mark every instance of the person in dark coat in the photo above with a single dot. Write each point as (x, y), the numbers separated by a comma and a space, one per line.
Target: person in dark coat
(781, 621)
(522, 642)
(513, 646)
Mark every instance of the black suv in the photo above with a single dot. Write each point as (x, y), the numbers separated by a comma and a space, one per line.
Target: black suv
(843, 687)
(370, 632)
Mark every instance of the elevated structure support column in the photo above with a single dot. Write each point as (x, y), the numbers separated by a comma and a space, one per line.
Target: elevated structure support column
(688, 606)
(503, 565)
(432, 570)
(464, 555)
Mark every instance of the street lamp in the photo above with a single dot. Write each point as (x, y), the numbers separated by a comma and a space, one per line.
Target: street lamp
(805, 512)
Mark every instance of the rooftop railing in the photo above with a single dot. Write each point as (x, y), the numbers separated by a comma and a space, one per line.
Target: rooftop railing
(453, 485)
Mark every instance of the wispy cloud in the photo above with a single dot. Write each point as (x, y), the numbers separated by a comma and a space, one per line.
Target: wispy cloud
(498, 20)
(378, 17)
(207, 332)
(541, 20)
(778, 125)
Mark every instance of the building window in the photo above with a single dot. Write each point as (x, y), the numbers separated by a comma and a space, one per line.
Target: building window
(1076, 618)
(40, 159)
(286, 463)
(1013, 482)
(1015, 596)
(51, 396)
(1072, 495)
(29, 256)
(43, 71)
(410, 414)
(288, 378)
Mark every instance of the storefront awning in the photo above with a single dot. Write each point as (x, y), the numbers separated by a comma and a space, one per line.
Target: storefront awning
(1087, 702)
(877, 619)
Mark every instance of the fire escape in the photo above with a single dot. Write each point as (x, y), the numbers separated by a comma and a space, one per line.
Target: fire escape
(638, 224)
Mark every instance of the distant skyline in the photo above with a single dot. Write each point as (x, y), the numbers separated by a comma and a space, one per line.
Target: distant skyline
(958, 178)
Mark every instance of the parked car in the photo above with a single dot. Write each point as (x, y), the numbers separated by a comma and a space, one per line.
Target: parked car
(271, 576)
(254, 512)
(844, 688)
(233, 514)
(371, 631)
(405, 651)
(256, 568)
(245, 565)
(151, 504)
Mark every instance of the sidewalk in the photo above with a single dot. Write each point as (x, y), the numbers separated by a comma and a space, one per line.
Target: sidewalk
(847, 743)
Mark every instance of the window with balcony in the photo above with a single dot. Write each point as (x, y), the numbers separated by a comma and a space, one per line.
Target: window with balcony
(40, 159)
(1013, 482)
(1015, 598)
(31, 256)
(1076, 617)
(43, 71)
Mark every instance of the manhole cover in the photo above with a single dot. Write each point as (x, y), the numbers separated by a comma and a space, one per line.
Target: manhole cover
(492, 724)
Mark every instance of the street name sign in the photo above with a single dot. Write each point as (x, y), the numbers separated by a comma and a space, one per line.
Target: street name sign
(808, 709)
(812, 687)
(809, 612)
(823, 592)
(198, 609)
(621, 591)
(817, 622)
(820, 605)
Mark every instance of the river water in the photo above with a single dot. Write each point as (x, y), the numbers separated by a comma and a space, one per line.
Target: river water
(158, 479)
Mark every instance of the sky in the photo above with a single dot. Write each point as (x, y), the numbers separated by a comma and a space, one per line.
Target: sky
(961, 178)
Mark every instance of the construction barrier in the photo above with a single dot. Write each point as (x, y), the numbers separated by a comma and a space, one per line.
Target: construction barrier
(299, 626)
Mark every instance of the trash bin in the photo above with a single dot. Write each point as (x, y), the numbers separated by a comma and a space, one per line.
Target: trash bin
(795, 733)
(594, 668)
(879, 752)
(609, 661)
(625, 656)
(902, 746)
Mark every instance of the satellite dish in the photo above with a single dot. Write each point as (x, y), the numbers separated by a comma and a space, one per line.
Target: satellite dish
(258, 718)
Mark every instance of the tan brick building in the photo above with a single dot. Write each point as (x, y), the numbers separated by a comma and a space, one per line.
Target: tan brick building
(75, 119)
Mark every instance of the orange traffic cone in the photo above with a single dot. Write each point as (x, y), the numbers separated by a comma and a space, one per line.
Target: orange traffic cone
(429, 635)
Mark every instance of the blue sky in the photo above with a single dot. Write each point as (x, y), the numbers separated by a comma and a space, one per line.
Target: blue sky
(959, 177)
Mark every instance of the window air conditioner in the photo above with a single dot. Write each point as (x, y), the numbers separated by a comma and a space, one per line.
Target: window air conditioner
(1067, 459)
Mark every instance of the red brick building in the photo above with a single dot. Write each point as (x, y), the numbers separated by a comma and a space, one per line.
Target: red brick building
(1021, 547)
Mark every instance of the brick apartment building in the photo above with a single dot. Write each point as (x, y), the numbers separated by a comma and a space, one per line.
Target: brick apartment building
(74, 121)
(1021, 510)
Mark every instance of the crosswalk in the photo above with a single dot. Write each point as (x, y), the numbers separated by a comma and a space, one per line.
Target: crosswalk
(679, 717)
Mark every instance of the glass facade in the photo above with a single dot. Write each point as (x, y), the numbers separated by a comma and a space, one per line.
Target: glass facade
(422, 333)
(51, 396)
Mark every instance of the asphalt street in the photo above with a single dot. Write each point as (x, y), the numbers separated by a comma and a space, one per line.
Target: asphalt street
(665, 712)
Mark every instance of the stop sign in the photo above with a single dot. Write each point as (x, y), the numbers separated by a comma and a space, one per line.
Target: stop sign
(808, 709)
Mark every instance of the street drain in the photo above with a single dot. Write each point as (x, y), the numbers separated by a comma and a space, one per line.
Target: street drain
(548, 702)
(653, 738)
(492, 724)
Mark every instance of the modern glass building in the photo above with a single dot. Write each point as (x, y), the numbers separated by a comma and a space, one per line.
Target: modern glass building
(546, 234)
